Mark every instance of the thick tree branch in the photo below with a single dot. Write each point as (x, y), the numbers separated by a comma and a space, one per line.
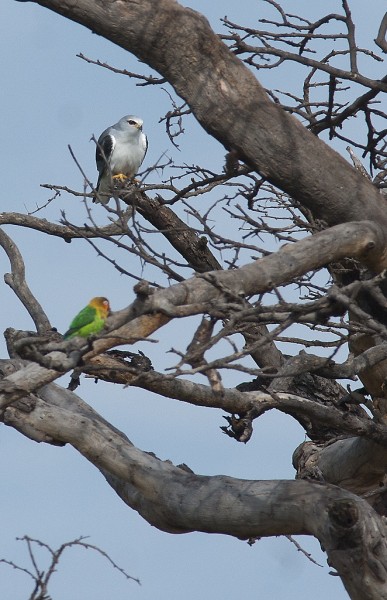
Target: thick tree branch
(197, 295)
(356, 464)
(169, 497)
(362, 240)
(225, 96)
(346, 463)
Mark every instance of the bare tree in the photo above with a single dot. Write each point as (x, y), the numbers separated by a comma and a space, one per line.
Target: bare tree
(305, 266)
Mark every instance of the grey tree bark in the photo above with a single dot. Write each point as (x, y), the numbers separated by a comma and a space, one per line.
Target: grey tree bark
(230, 104)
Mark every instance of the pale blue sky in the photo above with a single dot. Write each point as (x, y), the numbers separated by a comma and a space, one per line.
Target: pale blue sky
(51, 99)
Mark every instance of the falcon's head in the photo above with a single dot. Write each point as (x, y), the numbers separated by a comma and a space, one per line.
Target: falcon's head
(132, 122)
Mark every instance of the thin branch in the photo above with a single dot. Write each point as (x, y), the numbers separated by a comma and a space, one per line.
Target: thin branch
(42, 577)
(146, 80)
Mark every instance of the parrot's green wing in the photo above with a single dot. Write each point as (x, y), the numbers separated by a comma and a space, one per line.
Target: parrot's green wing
(83, 318)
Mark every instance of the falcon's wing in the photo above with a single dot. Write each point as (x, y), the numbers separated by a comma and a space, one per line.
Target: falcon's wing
(103, 152)
(145, 145)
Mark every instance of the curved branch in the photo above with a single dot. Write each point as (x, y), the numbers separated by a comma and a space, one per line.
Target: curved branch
(17, 282)
(245, 403)
(381, 37)
(178, 501)
(62, 231)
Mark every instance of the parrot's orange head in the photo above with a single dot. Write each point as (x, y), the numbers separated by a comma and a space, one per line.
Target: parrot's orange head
(101, 304)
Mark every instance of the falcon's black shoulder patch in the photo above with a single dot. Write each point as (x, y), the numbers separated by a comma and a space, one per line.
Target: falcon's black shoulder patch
(103, 151)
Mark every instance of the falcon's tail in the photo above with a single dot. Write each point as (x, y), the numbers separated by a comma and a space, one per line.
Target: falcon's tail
(103, 190)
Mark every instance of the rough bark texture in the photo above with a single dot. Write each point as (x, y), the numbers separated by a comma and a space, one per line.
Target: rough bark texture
(231, 105)
(178, 501)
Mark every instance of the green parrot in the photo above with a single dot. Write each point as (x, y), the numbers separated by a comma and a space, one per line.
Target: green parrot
(90, 320)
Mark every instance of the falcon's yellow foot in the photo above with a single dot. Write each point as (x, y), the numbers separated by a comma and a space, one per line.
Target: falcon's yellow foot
(121, 177)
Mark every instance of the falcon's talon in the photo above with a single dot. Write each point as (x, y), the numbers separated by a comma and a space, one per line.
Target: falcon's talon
(121, 177)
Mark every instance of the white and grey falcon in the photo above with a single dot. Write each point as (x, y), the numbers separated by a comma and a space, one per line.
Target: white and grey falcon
(120, 151)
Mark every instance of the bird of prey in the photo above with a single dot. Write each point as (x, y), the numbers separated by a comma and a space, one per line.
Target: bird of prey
(120, 151)
(90, 319)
